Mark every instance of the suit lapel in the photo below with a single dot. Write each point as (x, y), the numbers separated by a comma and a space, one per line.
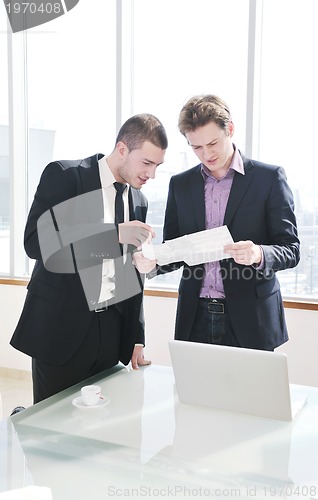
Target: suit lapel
(89, 173)
(137, 209)
(132, 202)
(197, 196)
(239, 187)
(89, 182)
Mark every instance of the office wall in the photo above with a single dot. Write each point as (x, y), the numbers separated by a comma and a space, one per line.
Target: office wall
(301, 349)
(11, 300)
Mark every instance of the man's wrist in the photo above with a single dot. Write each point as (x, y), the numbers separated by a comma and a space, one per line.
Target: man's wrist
(259, 263)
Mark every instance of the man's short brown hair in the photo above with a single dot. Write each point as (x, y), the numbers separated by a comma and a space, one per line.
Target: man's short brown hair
(201, 110)
(141, 128)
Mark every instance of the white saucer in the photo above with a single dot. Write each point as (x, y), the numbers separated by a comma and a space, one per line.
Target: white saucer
(79, 403)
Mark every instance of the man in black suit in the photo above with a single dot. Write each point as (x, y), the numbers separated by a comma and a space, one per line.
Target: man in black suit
(236, 301)
(83, 311)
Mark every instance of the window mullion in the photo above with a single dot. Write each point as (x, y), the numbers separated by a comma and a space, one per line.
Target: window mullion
(253, 86)
(125, 61)
(18, 148)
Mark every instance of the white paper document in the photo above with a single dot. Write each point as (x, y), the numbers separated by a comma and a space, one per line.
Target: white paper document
(196, 248)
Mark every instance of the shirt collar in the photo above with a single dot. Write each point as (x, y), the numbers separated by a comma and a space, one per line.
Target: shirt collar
(236, 164)
(107, 178)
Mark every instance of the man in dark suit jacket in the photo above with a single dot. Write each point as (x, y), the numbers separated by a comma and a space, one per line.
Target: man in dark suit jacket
(236, 301)
(83, 311)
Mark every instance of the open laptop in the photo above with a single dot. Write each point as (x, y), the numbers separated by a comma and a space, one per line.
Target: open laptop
(247, 381)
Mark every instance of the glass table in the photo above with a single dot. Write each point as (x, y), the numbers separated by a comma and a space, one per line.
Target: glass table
(145, 443)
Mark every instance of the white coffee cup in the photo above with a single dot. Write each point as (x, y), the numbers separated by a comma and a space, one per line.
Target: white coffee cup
(91, 394)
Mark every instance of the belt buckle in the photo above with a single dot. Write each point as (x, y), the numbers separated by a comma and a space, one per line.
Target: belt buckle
(103, 307)
(218, 307)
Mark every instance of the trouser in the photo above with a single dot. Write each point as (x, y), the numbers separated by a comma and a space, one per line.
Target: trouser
(212, 324)
(99, 350)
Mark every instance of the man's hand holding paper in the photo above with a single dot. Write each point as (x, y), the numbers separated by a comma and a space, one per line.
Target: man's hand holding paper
(142, 263)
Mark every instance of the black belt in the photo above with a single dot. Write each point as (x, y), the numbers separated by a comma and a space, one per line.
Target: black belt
(102, 306)
(217, 306)
(108, 304)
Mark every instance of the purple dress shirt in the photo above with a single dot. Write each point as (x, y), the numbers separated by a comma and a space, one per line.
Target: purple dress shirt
(216, 194)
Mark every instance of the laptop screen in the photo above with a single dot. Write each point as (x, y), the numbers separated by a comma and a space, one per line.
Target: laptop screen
(247, 381)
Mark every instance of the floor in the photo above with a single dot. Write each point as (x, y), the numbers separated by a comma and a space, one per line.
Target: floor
(14, 392)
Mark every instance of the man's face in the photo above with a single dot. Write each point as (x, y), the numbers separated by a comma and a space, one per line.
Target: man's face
(139, 165)
(213, 146)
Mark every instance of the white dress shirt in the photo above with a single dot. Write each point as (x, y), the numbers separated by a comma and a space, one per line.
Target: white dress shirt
(109, 192)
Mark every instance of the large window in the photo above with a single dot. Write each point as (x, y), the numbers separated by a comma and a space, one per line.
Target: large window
(71, 74)
(194, 54)
(62, 106)
(288, 122)
(73, 80)
(4, 151)
(260, 59)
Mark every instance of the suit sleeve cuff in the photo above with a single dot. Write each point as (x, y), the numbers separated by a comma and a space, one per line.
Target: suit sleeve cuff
(260, 266)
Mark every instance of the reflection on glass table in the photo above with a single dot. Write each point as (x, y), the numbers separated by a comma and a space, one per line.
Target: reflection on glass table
(146, 443)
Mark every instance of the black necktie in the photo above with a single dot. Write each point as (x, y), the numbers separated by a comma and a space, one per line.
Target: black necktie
(119, 202)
